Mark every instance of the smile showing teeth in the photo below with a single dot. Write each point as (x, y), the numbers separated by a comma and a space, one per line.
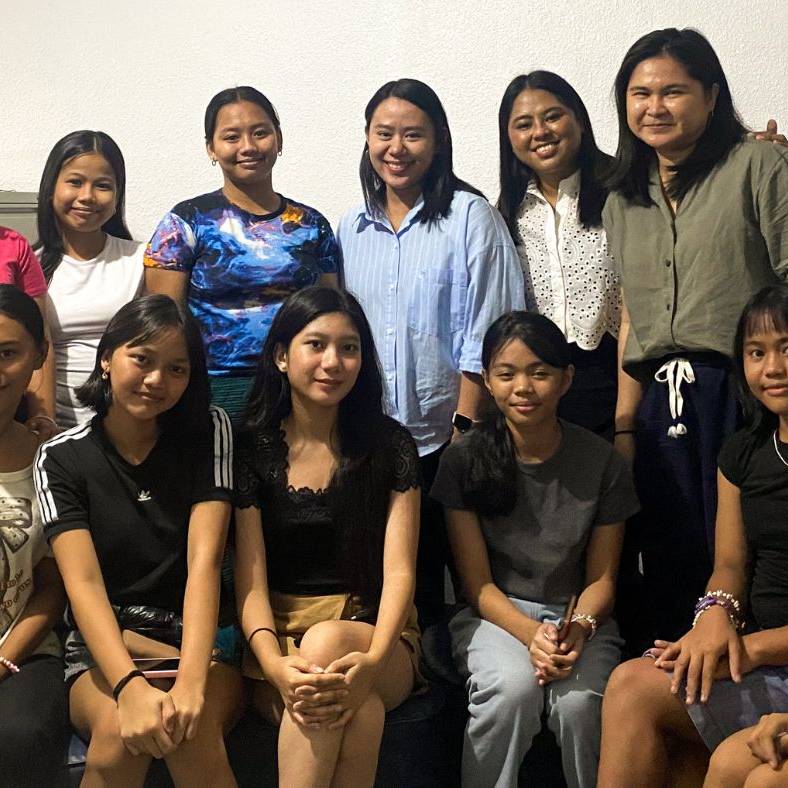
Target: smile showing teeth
(397, 166)
(546, 147)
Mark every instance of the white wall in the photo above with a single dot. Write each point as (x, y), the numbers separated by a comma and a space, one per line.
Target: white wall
(143, 71)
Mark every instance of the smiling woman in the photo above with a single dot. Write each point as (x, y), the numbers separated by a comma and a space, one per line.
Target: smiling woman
(698, 222)
(92, 265)
(235, 254)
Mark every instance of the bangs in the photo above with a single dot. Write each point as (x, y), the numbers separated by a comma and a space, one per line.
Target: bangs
(770, 316)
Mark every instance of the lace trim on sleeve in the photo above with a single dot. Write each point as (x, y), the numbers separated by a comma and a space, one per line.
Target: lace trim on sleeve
(406, 468)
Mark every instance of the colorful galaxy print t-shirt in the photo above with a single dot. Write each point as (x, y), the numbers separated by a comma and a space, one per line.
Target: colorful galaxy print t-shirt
(241, 268)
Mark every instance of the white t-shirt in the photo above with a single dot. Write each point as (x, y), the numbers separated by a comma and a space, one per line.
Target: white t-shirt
(570, 274)
(83, 295)
(22, 546)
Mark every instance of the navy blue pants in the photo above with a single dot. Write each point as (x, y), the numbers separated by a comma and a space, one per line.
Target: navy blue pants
(676, 479)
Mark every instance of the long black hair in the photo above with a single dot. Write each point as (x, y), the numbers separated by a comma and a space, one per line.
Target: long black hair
(234, 96)
(364, 433)
(490, 483)
(767, 310)
(514, 175)
(77, 143)
(725, 130)
(140, 321)
(440, 182)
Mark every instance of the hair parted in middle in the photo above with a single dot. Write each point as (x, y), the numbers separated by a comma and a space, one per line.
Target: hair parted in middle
(440, 182)
(77, 143)
(591, 161)
(490, 483)
(138, 322)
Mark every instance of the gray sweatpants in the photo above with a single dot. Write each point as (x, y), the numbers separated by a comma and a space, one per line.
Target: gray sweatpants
(505, 702)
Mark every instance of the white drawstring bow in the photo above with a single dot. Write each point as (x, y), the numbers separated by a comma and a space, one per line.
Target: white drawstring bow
(674, 373)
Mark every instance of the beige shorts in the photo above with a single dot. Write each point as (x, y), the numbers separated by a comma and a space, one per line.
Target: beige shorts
(294, 615)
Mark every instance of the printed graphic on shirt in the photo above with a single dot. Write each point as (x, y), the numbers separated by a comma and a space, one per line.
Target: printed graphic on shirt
(242, 267)
(16, 519)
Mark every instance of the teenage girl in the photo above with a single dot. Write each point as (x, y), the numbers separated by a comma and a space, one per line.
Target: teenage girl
(33, 723)
(235, 254)
(535, 508)
(732, 666)
(135, 503)
(326, 533)
(90, 262)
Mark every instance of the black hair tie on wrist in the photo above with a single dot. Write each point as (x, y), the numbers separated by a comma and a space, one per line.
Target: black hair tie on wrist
(262, 629)
(124, 681)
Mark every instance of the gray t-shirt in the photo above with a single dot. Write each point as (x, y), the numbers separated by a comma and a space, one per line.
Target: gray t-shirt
(537, 552)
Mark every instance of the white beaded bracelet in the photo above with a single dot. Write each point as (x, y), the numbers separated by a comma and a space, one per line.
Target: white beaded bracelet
(12, 666)
(588, 619)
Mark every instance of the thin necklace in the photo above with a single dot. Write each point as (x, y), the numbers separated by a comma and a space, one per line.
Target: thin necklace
(782, 459)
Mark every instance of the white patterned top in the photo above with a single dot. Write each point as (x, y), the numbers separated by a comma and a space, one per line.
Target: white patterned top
(570, 275)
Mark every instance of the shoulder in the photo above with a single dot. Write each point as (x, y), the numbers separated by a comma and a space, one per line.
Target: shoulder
(12, 239)
(303, 214)
(759, 152)
(737, 452)
(190, 209)
(350, 219)
(395, 435)
(65, 447)
(123, 247)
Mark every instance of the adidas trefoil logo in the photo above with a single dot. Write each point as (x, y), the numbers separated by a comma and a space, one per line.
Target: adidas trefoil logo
(144, 495)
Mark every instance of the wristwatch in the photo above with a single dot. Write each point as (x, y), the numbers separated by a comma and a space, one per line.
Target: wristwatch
(461, 423)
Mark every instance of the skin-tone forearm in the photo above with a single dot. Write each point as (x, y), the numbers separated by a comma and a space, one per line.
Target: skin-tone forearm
(43, 609)
(251, 587)
(629, 390)
(473, 565)
(768, 647)
(207, 535)
(399, 573)
(494, 606)
(175, 284)
(78, 564)
(472, 395)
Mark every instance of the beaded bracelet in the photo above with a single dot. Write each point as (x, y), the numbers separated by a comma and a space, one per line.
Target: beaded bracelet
(722, 599)
(588, 619)
(12, 666)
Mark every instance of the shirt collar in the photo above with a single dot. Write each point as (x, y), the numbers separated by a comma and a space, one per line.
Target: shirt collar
(365, 218)
(569, 186)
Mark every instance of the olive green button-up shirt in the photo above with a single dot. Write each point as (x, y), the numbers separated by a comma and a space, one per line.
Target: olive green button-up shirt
(687, 278)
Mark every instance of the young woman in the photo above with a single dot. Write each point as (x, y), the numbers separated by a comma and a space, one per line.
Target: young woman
(135, 504)
(697, 219)
(92, 265)
(551, 197)
(33, 724)
(432, 264)
(732, 666)
(234, 255)
(535, 508)
(326, 533)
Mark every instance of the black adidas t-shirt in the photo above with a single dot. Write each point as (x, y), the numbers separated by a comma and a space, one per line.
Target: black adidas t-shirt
(137, 515)
(752, 464)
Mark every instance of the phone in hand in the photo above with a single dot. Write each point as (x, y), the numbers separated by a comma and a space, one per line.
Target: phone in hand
(566, 619)
(158, 668)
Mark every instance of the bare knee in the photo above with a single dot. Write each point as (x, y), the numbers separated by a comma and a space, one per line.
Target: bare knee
(106, 751)
(764, 776)
(636, 687)
(326, 641)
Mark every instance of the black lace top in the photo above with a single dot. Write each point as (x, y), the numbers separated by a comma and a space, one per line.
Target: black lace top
(307, 531)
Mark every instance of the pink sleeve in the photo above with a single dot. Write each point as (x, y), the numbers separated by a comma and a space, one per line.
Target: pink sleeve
(31, 277)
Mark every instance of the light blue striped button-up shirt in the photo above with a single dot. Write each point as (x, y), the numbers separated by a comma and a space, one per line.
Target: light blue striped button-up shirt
(430, 293)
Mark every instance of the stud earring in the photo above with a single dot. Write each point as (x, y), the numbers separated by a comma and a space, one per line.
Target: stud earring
(213, 162)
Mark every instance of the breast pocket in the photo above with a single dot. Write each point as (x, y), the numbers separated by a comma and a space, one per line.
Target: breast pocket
(436, 301)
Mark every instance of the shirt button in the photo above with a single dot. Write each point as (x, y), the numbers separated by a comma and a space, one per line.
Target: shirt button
(667, 307)
(389, 330)
(667, 263)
